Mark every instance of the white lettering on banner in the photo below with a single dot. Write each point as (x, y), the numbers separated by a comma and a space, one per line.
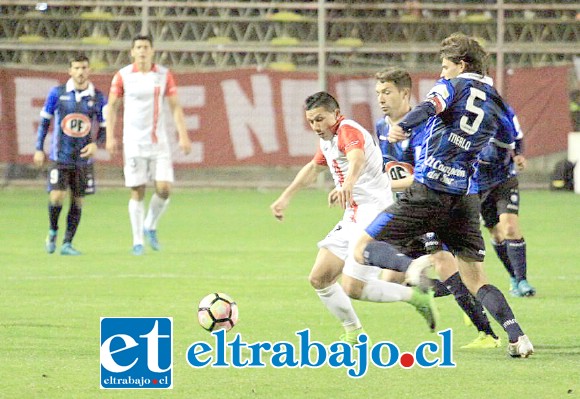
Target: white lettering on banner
(27, 114)
(245, 117)
(301, 139)
(358, 91)
(189, 97)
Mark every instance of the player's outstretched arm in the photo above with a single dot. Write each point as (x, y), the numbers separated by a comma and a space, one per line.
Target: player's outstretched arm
(305, 177)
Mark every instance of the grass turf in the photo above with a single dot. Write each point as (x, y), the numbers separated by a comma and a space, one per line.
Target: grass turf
(228, 241)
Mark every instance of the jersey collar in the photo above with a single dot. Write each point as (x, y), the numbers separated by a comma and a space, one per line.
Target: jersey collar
(89, 91)
(335, 127)
(136, 69)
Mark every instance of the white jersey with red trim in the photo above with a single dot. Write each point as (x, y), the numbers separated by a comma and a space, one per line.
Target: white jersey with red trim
(373, 186)
(144, 117)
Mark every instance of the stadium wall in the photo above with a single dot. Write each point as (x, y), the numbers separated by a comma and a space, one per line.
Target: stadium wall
(254, 118)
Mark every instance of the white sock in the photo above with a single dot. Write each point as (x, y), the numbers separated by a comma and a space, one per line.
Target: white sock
(157, 206)
(384, 291)
(136, 212)
(339, 304)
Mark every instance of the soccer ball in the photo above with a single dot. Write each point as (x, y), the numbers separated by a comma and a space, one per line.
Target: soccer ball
(217, 311)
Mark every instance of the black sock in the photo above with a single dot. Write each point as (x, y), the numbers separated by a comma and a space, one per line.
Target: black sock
(497, 306)
(385, 256)
(73, 220)
(516, 250)
(53, 214)
(439, 288)
(471, 306)
(502, 254)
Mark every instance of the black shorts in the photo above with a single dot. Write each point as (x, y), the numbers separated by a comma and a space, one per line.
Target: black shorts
(503, 198)
(80, 179)
(453, 218)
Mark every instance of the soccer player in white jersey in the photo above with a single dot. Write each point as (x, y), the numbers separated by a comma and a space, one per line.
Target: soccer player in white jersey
(361, 189)
(143, 88)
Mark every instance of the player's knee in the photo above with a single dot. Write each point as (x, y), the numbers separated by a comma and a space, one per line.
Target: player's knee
(352, 287)
(512, 231)
(317, 282)
(445, 264)
(359, 251)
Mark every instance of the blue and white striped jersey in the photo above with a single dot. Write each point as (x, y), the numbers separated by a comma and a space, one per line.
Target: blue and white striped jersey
(77, 115)
(463, 114)
(398, 158)
(496, 163)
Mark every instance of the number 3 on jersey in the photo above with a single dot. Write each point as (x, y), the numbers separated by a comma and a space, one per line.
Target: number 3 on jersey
(464, 123)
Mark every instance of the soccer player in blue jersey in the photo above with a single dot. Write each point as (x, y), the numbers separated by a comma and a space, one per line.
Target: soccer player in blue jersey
(393, 89)
(462, 113)
(500, 200)
(77, 109)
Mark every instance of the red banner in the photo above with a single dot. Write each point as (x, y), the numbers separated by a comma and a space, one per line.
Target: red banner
(249, 117)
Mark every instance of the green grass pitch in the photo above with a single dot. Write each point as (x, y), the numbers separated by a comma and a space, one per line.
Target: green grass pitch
(227, 240)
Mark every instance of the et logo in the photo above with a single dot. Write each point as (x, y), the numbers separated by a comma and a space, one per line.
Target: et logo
(76, 125)
(136, 353)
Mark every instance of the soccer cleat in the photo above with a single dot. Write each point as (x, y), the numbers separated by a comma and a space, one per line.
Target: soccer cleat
(151, 236)
(526, 289)
(424, 302)
(483, 341)
(351, 337)
(514, 287)
(50, 242)
(67, 249)
(416, 273)
(138, 250)
(522, 348)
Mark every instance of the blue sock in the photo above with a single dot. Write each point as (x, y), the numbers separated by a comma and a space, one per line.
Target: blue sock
(385, 256)
(495, 303)
(53, 214)
(516, 251)
(501, 251)
(471, 306)
(73, 220)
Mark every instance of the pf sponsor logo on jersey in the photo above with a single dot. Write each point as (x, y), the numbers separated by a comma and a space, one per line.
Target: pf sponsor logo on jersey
(398, 170)
(136, 353)
(76, 125)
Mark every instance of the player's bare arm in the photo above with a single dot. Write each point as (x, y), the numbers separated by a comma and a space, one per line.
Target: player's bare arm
(177, 112)
(356, 164)
(111, 119)
(305, 177)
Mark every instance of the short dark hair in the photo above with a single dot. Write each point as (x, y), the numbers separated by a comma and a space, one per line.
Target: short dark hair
(398, 76)
(321, 99)
(78, 57)
(460, 47)
(148, 38)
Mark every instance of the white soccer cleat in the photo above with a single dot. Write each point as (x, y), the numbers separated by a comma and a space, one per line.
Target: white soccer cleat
(522, 348)
(416, 273)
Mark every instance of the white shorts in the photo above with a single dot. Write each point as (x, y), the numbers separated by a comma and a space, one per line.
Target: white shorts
(141, 170)
(342, 239)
